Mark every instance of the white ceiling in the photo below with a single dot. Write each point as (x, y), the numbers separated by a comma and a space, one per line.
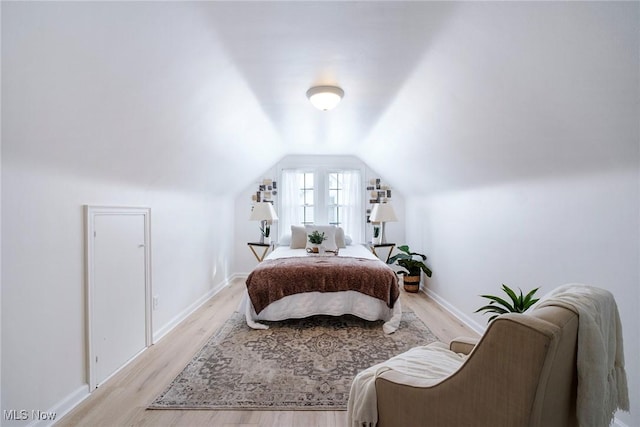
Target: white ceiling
(438, 95)
(282, 49)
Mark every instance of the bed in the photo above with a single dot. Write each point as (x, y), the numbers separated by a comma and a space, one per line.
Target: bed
(291, 283)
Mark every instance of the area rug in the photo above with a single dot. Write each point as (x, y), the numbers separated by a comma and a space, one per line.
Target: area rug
(301, 364)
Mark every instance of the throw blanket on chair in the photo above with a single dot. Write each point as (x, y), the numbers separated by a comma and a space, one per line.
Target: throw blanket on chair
(602, 380)
(431, 363)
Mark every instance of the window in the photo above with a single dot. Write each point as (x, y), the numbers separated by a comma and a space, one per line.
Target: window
(306, 201)
(336, 198)
(322, 196)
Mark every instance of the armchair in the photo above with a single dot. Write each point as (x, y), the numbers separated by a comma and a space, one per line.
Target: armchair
(521, 372)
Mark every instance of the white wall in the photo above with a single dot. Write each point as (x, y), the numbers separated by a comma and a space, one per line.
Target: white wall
(524, 170)
(0, 236)
(107, 104)
(544, 232)
(43, 287)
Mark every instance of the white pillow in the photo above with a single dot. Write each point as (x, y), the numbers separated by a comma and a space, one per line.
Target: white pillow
(329, 232)
(298, 237)
(348, 240)
(340, 240)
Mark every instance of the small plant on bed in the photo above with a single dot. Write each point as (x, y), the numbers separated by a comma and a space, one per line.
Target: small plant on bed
(413, 263)
(316, 238)
(518, 304)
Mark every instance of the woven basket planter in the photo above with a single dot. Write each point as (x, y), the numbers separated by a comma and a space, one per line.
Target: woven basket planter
(411, 283)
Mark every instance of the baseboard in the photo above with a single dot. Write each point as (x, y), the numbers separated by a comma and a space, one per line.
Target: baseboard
(59, 410)
(74, 399)
(461, 316)
(162, 332)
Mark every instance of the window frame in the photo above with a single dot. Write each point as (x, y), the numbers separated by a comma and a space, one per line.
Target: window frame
(304, 189)
(321, 166)
(339, 191)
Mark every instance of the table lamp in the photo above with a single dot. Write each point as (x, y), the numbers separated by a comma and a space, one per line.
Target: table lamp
(265, 213)
(383, 212)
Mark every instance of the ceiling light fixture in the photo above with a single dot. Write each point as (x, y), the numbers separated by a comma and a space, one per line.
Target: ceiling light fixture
(325, 97)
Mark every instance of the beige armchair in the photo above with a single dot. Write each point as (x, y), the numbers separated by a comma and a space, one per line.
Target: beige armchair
(521, 372)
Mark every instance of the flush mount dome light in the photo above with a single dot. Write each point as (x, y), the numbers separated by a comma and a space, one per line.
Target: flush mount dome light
(325, 97)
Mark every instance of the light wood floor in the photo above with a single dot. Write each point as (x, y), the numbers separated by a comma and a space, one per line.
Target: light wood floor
(122, 401)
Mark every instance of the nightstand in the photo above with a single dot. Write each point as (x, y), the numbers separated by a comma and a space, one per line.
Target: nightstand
(264, 246)
(375, 247)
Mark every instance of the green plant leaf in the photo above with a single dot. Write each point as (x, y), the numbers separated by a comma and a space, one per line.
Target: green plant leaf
(410, 261)
(492, 309)
(520, 303)
(500, 301)
(510, 292)
(528, 302)
(426, 270)
(316, 237)
(398, 257)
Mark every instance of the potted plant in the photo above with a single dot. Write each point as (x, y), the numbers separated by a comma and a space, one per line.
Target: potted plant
(316, 238)
(266, 233)
(413, 263)
(376, 235)
(498, 306)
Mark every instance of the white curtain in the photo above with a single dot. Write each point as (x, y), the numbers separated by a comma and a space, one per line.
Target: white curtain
(353, 215)
(289, 201)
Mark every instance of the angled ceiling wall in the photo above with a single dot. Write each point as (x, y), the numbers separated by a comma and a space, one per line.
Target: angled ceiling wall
(140, 93)
(200, 95)
(514, 91)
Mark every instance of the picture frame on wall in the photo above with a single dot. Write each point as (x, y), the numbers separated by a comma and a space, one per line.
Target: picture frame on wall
(266, 191)
(379, 192)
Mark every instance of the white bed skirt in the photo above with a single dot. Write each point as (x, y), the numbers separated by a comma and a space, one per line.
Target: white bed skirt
(328, 303)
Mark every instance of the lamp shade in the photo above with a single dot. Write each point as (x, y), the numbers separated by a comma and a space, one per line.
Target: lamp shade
(325, 97)
(383, 212)
(263, 211)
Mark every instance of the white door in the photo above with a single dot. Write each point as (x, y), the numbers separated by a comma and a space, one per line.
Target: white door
(118, 290)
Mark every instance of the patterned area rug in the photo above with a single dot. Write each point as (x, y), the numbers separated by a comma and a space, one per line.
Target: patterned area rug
(302, 364)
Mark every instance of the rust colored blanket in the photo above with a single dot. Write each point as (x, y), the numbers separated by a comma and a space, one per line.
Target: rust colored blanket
(277, 278)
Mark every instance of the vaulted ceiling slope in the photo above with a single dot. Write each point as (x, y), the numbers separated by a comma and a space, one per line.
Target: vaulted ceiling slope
(206, 95)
